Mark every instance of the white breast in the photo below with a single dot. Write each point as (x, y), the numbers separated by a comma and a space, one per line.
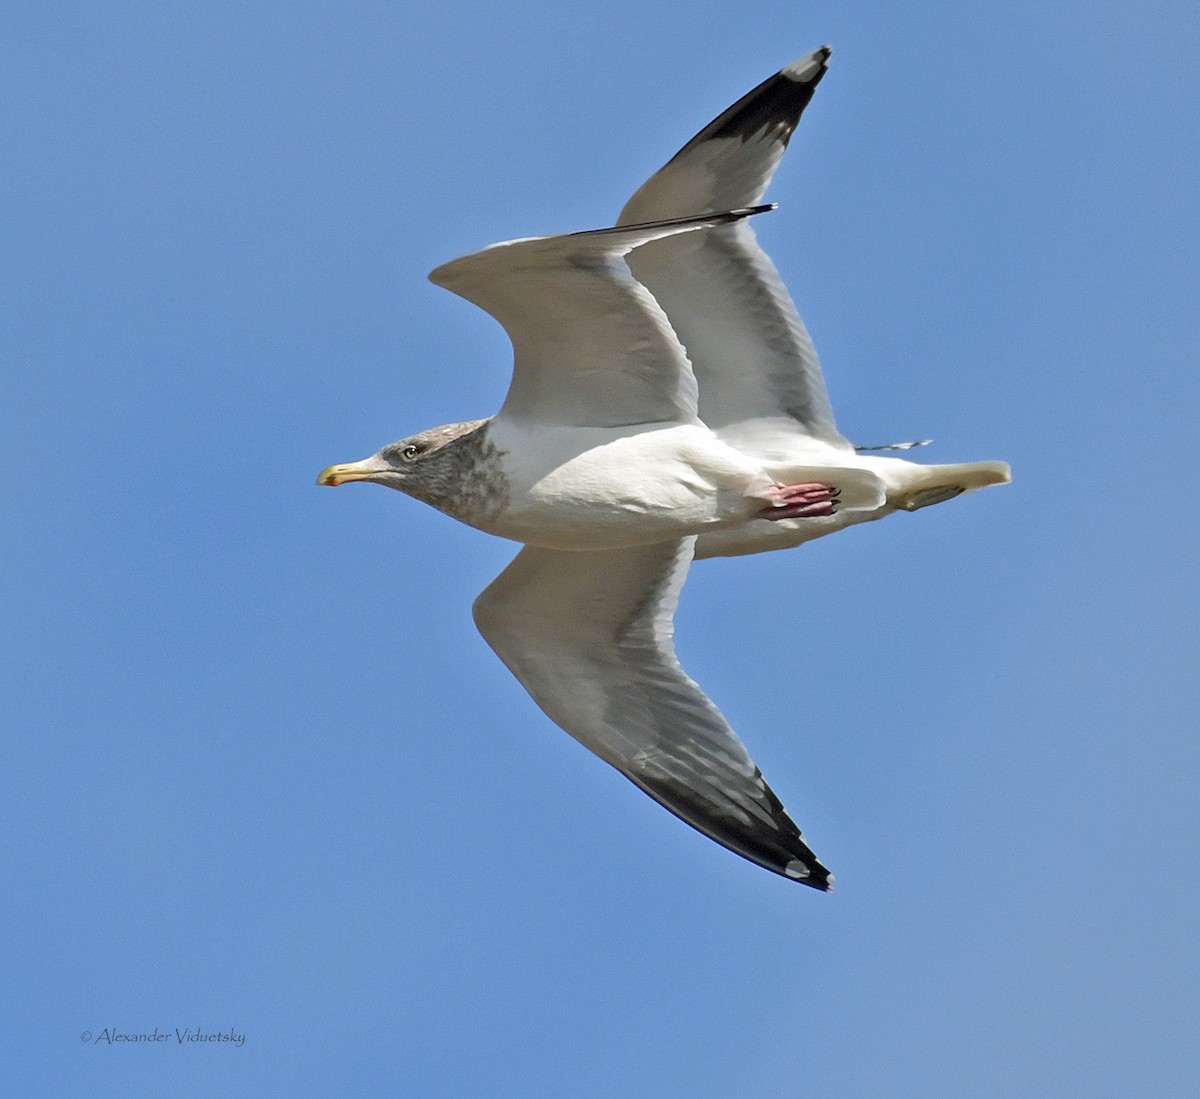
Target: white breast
(588, 488)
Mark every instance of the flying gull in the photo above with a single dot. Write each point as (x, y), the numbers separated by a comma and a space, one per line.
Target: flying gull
(666, 404)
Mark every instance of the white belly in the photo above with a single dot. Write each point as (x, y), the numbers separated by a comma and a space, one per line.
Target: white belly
(592, 488)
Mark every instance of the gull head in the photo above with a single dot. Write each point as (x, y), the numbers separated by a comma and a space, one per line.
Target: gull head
(432, 465)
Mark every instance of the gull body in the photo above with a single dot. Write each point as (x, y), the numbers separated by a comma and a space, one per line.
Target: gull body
(599, 443)
(666, 404)
(583, 488)
(604, 488)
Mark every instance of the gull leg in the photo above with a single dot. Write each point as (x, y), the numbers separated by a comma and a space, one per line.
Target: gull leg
(800, 501)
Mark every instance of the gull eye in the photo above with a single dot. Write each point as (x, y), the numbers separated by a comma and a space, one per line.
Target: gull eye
(410, 452)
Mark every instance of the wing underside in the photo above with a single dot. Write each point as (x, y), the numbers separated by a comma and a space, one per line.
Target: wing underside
(759, 379)
(589, 635)
(591, 346)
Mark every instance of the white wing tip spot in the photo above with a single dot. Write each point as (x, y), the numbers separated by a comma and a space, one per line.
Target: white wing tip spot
(796, 869)
(808, 66)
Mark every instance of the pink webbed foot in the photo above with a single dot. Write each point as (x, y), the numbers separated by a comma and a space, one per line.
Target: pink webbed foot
(801, 501)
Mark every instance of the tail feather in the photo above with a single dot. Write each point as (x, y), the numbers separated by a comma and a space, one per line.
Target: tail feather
(934, 484)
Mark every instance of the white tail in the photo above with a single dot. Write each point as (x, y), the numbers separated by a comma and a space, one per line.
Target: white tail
(927, 485)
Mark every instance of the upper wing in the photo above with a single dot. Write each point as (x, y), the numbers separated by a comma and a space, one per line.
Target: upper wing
(591, 345)
(589, 634)
(759, 377)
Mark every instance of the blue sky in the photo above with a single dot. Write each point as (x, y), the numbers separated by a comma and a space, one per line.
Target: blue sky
(261, 773)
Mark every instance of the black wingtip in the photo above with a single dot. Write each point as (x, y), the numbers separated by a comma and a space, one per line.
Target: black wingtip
(894, 446)
(802, 866)
(775, 106)
(813, 874)
(750, 211)
(720, 217)
(779, 847)
(808, 69)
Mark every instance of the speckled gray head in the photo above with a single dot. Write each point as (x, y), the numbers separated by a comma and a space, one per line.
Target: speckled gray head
(453, 468)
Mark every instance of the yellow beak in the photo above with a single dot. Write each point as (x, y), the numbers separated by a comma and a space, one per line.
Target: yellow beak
(348, 471)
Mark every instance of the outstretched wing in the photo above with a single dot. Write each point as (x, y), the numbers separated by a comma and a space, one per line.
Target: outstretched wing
(591, 345)
(760, 383)
(589, 635)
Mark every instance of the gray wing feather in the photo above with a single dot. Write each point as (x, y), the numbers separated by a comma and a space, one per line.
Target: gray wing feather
(591, 346)
(590, 636)
(758, 374)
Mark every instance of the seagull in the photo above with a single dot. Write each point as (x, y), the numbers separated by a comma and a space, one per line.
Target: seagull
(666, 404)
